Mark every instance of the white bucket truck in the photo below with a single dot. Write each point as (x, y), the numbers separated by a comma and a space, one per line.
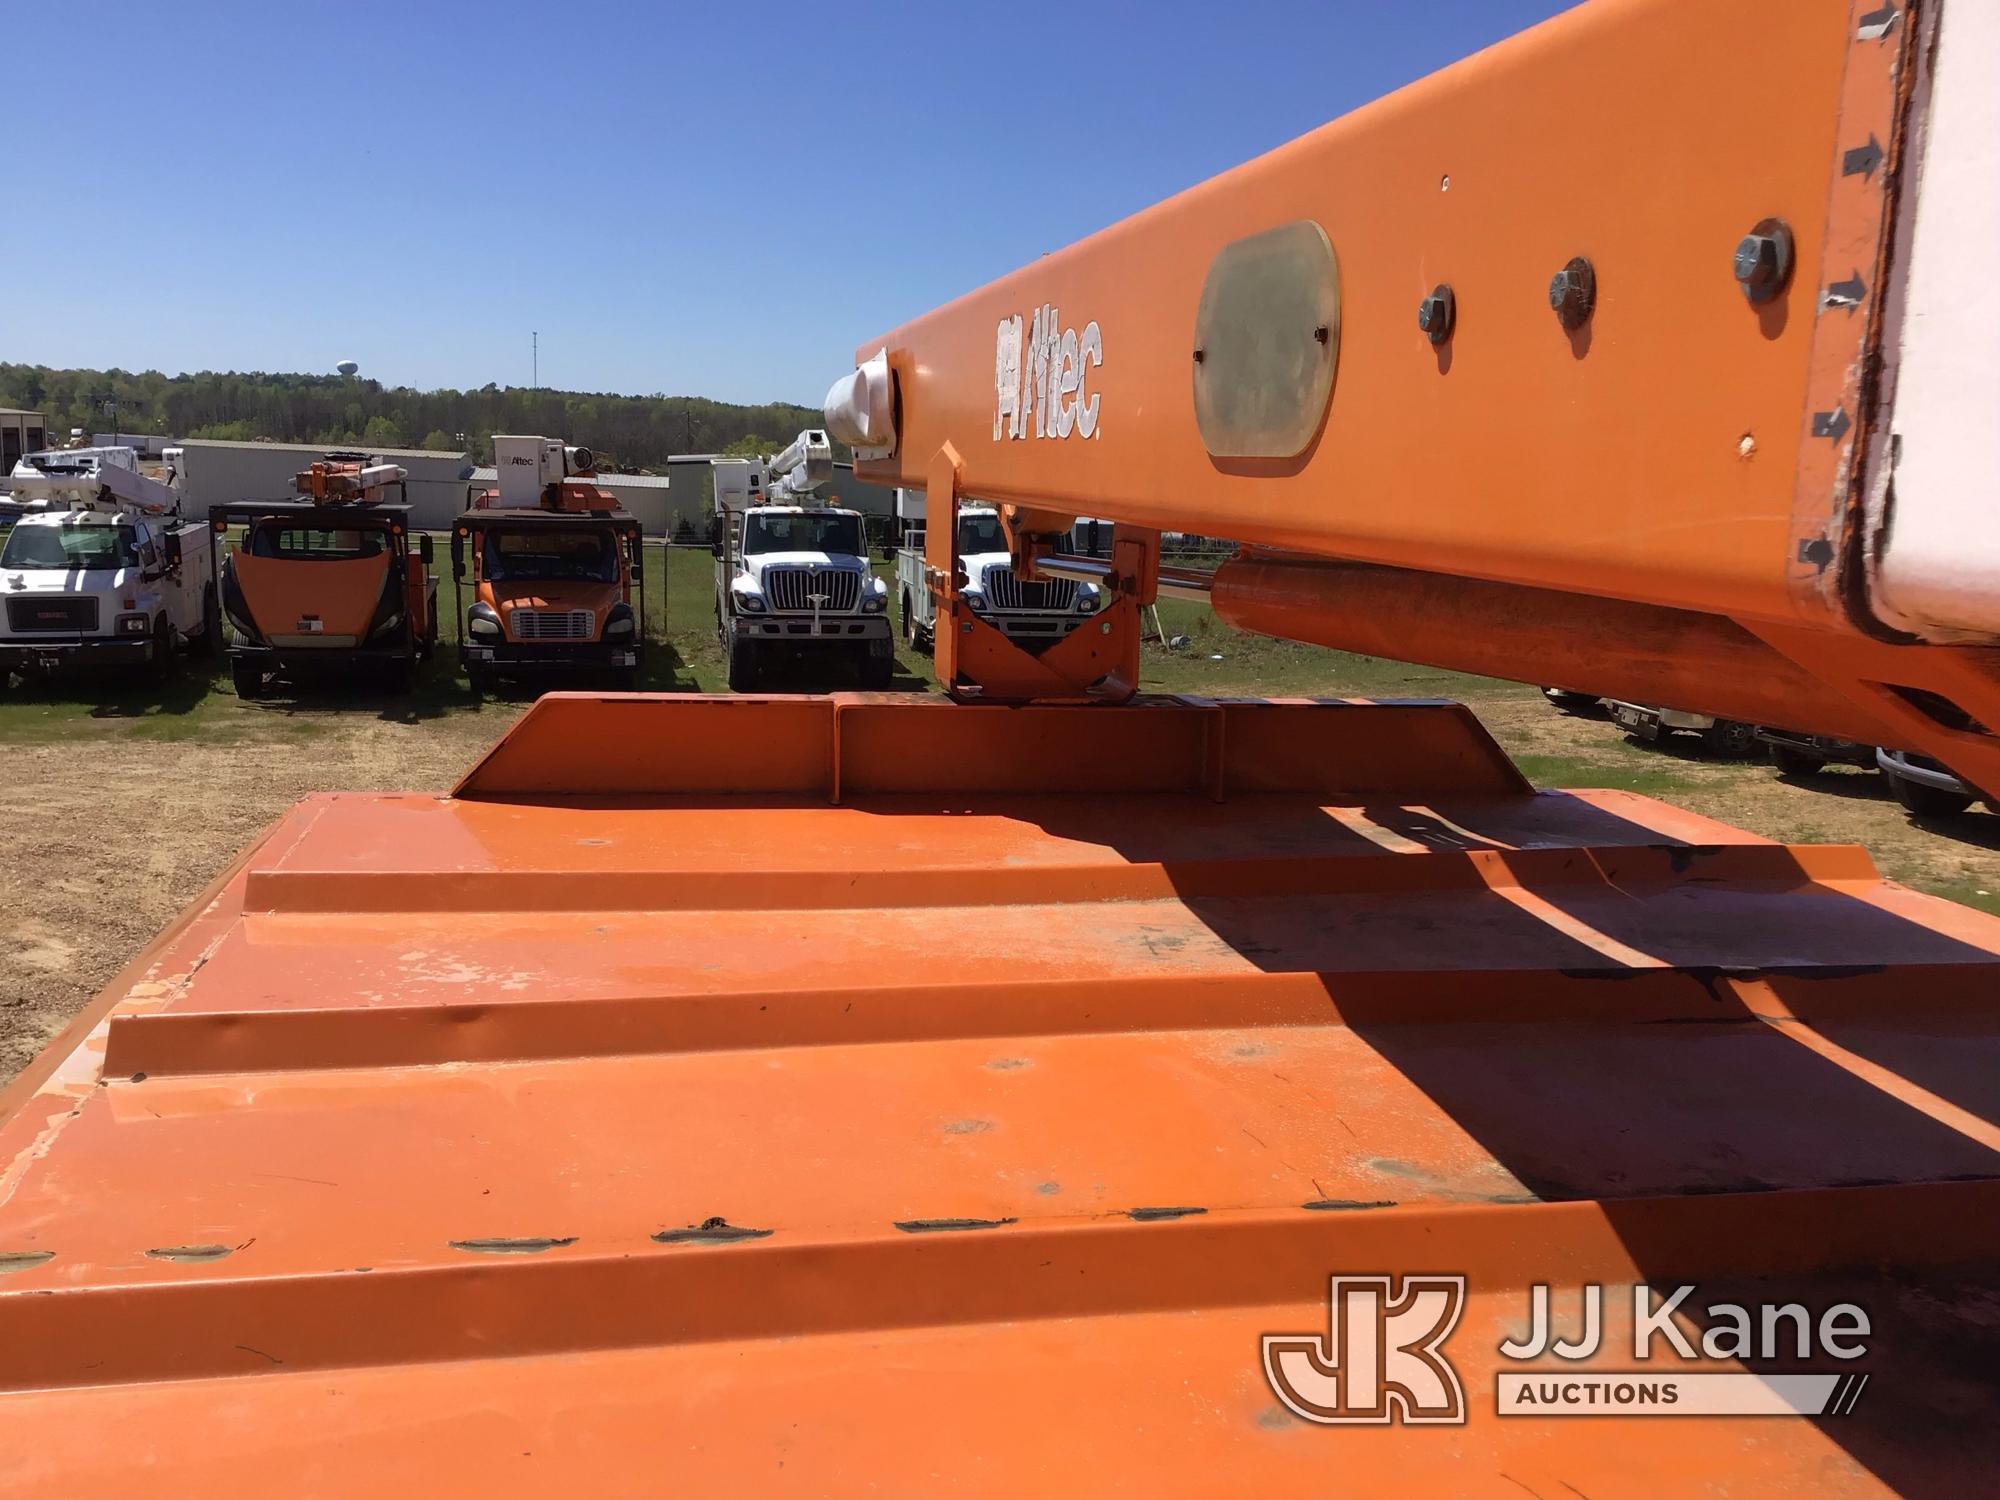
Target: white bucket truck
(100, 567)
(791, 572)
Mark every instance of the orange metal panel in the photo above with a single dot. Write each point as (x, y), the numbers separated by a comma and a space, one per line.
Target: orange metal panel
(341, 592)
(954, 1135)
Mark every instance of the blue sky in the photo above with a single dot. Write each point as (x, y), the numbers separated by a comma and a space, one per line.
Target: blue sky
(718, 199)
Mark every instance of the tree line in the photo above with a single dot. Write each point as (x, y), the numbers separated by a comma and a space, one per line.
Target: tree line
(634, 432)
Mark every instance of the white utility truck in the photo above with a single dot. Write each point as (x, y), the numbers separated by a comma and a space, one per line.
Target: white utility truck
(792, 571)
(100, 567)
(1032, 615)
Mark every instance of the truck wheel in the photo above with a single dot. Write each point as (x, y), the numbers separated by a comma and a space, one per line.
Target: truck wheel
(248, 679)
(396, 676)
(1729, 737)
(430, 635)
(160, 655)
(207, 642)
(1926, 801)
(625, 680)
(876, 671)
(481, 680)
(909, 621)
(742, 665)
(1792, 761)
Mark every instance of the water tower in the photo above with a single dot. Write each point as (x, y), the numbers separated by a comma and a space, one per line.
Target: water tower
(347, 367)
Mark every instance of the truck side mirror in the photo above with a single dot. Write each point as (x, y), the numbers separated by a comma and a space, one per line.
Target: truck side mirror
(424, 549)
(457, 553)
(715, 535)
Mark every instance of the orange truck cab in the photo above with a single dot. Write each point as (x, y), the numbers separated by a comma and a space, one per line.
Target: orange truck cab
(553, 565)
(328, 579)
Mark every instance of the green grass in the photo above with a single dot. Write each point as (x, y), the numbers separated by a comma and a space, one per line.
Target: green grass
(683, 655)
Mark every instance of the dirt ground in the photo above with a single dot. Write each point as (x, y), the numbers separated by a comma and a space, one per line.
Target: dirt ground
(96, 866)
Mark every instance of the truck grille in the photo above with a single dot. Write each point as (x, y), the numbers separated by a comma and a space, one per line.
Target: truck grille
(553, 624)
(52, 612)
(1006, 591)
(793, 588)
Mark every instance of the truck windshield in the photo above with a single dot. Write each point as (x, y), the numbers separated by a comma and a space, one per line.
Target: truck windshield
(317, 543)
(804, 532)
(979, 534)
(548, 553)
(71, 547)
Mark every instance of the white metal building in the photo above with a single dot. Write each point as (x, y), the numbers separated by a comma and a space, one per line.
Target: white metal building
(225, 473)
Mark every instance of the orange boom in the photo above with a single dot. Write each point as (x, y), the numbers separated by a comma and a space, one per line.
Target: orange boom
(853, 1094)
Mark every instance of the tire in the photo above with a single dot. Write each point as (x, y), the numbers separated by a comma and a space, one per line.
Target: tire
(160, 655)
(876, 671)
(909, 621)
(397, 676)
(625, 680)
(207, 642)
(1926, 801)
(481, 681)
(742, 665)
(248, 679)
(430, 642)
(1729, 737)
(1792, 761)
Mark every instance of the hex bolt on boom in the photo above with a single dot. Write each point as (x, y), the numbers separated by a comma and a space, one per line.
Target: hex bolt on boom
(1763, 261)
(1573, 293)
(1437, 313)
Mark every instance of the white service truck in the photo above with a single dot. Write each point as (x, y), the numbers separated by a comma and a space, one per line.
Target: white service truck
(791, 572)
(1032, 615)
(100, 567)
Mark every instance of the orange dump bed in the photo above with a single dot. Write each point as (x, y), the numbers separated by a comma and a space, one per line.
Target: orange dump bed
(844, 1095)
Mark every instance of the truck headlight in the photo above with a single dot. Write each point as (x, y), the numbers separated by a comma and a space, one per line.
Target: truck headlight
(619, 622)
(749, 603)
(1086, 599)
(874, 604)
(974, 597)
(133, 625)
(480, 621)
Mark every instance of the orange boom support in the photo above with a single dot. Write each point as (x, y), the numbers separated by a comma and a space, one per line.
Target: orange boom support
(866, 1095)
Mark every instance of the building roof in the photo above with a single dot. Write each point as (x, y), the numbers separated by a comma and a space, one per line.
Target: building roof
(490, 475)
(321, 448)
(15, 411)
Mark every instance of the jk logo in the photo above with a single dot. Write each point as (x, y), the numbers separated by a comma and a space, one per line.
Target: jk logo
(1380, 1361)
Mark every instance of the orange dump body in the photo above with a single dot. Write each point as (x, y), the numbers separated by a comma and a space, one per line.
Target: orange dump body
(846, 1094)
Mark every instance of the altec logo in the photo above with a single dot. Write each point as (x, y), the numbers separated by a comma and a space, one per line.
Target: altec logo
(1040, 386)
(1383, 1358)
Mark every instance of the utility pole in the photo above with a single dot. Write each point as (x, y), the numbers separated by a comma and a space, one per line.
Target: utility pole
(535, 358)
